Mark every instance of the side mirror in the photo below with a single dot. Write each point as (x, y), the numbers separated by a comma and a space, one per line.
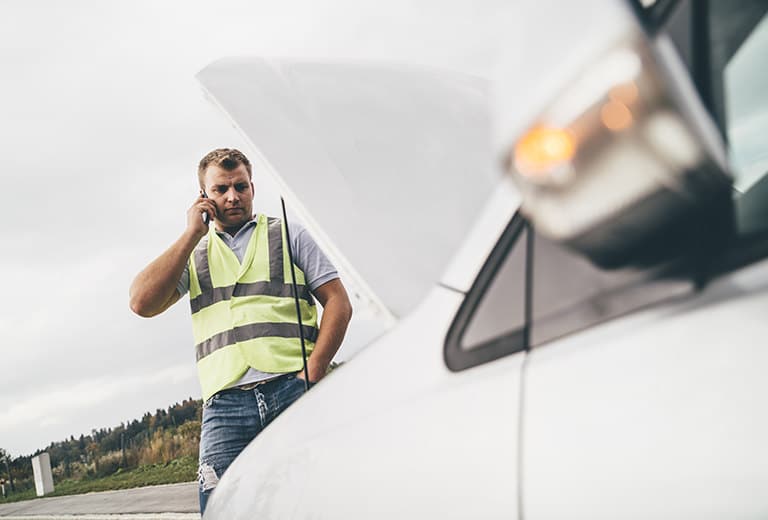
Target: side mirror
(623, 163)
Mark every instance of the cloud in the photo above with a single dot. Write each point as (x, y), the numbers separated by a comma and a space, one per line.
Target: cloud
(52, 404)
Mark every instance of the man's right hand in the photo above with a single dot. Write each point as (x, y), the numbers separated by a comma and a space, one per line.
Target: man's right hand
(196, 214)
(154, 288)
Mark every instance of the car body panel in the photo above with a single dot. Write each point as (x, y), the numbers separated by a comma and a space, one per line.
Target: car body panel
(392, 417)
(661, 414)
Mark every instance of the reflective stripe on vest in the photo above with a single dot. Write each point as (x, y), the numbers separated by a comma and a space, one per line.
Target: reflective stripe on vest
(244, 314)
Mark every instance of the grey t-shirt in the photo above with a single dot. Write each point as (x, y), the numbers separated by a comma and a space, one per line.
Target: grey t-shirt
(307, 256)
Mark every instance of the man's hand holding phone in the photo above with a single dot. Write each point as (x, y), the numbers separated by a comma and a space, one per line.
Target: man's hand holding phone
(200, 214)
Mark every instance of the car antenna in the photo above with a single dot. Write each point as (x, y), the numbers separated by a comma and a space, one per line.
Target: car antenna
(296, 297)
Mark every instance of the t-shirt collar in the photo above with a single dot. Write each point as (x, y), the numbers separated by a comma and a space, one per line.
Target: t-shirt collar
(247, 225)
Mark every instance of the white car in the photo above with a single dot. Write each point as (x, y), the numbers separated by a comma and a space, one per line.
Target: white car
(611, 363)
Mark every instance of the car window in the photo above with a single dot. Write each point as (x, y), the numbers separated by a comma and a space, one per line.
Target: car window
(501, 308)
(566, 294)
(738, 47)
(570, 293)
(731, 38)
(745, 78)
(490, 322)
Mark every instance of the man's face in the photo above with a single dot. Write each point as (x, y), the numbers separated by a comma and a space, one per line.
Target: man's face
(232, 192)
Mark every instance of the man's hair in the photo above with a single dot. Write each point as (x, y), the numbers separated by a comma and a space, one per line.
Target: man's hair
(227, 158)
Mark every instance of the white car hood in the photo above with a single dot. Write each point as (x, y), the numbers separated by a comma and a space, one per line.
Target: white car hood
(382, 162)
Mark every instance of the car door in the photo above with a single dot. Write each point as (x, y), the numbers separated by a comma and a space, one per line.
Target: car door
(644, 391)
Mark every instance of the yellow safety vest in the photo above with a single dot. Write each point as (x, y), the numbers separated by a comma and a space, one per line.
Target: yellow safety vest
(244, 315)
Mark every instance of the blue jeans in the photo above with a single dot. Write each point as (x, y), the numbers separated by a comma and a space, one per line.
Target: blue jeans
(232, 418)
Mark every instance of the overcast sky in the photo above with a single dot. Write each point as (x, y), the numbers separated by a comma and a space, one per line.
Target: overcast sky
(101, 127)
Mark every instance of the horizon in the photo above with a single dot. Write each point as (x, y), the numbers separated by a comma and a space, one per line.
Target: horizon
(123, 424)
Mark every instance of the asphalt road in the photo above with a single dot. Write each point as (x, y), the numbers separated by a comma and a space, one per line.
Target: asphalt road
(168, 502)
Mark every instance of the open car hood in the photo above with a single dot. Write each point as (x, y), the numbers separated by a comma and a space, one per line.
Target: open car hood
(383, 163)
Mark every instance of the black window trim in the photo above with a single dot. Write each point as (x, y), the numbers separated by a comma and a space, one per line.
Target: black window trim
(458, 358)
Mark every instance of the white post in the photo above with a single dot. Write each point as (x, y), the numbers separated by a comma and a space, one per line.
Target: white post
(41, 467)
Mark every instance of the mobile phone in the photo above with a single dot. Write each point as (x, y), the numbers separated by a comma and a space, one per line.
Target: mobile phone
(206, 216)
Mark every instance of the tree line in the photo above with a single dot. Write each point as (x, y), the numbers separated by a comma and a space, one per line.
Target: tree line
(155, 438)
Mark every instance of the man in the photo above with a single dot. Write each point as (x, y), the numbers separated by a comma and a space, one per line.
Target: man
(244, 319)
